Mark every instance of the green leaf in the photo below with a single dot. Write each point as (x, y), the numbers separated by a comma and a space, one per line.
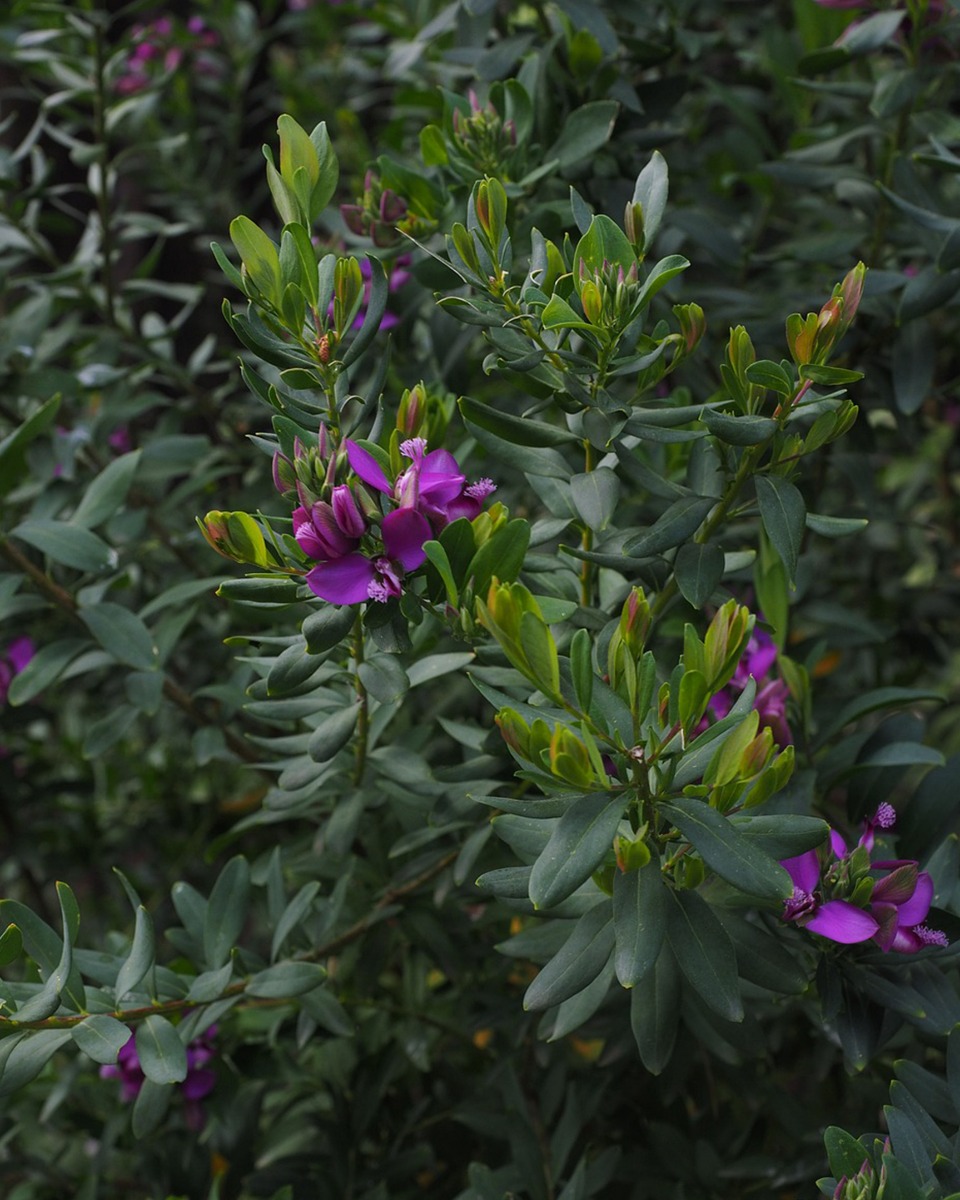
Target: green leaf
(879, 698)
(844, 1153)
(286, 980)
(650, 192)
(640, 902)
(704, 953)
(581, 667)
(44, 668)
(13, 464)
(210, 985)
(660, 275)
(122, 634)
(333, 733)
(141, 957)
(383, 677)
(739, 431)
(761, 956)
(259, 255)
(107, 491)
(520, 430)
(376, 307)
(292, 916)
(595, 495)
(604, 242)
(833, 527)
(580, 960)
(101, 1037)
(540, 653)
(698, 568)
(150, 1107)
(162, 1055)
(585, 130)
(259, 591)
(578, 845)
(27, 1057)
(226, 911)
(772, 375)
(439, 560)
(725, 850)
(327, 628)
(69, 545)
(11, 945)
(534, 460)
(655, 1012)
(501, 555)
(782, 511)
(558, 314)
(783, 835)
(829, 376)
(678, 523)
(914, 358)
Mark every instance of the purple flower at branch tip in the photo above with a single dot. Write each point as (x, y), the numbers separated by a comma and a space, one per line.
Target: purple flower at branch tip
(897, 907)
(837, 920)
(353, 578)
(198, 1084)
(12, 661)
(429, 494)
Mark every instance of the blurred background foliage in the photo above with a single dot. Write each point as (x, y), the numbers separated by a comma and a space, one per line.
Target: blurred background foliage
(800, 137)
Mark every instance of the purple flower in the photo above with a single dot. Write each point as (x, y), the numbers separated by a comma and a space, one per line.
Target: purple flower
(320, 535)
(897, 906)
(433, 484)
(362, 556)
(838, 920)
(12, 661)
(353, 578)
(900, 903)
(198, 1084)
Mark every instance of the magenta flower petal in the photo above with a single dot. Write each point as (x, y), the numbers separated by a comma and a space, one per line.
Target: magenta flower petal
(837, 844)
(404, 532)
(804, 870)
(914, 911)
(344, 580)
(366, 466)
(842, 922)
(440, 478)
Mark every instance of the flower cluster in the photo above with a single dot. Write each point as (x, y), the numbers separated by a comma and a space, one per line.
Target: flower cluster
(198, 1084)
(758, 661)
(12, 661)
(161, 47)
(845, 897)
(363, 549)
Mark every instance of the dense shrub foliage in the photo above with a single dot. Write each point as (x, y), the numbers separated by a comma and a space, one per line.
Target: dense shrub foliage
(478, 585)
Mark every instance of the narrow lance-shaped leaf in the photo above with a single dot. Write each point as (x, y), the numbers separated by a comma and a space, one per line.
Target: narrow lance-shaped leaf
(639, 921)
(226, 911)
(725, 850)
(580, 960)
(582, 839)
(782, 511)
(704, 953)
